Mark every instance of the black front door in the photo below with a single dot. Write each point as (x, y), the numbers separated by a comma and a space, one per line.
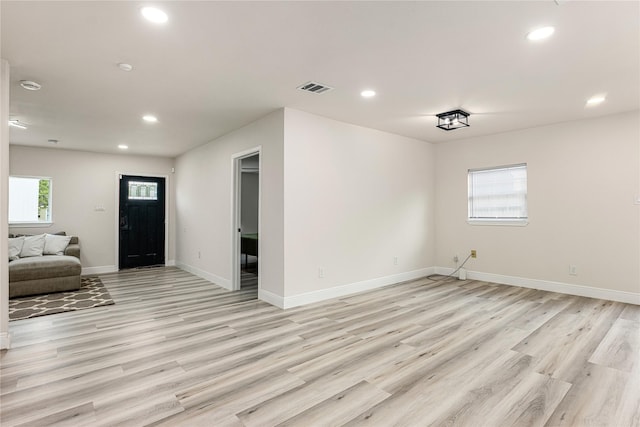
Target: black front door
(141, 221)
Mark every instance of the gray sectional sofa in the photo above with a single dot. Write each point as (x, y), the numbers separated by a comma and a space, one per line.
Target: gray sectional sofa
(47, 273)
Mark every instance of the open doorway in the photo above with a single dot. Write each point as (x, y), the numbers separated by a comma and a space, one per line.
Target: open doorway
(246, 257)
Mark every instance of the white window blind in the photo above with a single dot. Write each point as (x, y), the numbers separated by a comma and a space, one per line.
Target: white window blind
(498, 193)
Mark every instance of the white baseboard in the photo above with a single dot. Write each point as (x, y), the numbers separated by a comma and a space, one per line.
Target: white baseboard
(271, 298)
(5, 341)
(220, 281)
(352, 288)
(546, 285)
(103, 269)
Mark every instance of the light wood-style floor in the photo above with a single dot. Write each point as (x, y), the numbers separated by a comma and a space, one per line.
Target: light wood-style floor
(177, 350)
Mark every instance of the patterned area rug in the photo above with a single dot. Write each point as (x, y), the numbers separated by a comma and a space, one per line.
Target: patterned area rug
(92, 293)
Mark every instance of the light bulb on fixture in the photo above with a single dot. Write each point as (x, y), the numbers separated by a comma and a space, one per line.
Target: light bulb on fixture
(540, 33)
(154, 15)
(595, 100)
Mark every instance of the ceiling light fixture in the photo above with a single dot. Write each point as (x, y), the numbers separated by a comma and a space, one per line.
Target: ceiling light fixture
(595, 100)
(149, 118)
(154, 15)
(540, 33)
(30, 85)
(52, 141)
(125, 67)
(17, 124)
(368, 93)
(453, 120)
(123, 147)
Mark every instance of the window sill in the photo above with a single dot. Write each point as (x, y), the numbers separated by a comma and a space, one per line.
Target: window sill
(499, 222)
(39, 224)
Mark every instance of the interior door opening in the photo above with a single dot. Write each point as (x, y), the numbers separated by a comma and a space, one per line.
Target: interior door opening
(249, 236)
(141, 236)
(246, 221)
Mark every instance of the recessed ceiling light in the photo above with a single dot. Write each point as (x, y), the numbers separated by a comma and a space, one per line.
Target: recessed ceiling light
(595, 100)
(368, 93)
(149, 118)
(540, 33)
(154, 15)
(125, 67)
(30, 85)
(17, 124)
(123, 147)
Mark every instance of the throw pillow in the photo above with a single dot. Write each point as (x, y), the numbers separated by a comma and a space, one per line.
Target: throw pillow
(15, 246)
(55, 244)
(33, 246)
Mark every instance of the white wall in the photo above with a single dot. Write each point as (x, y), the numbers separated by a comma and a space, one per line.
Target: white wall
(583, 179)
(4, 207)
(203, 204)
(83, 181)
(355, 198)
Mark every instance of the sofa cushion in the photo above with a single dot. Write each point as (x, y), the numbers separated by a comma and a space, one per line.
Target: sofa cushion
(33, 246)
(15, 246)
(34, 268)
(55, 244)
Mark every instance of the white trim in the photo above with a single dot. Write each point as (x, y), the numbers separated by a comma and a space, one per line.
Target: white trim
(352, 288)
(271, 298)
(5, 78)
(39, 224)
(5, 341)
(499, 222)
(222, 282)
(546, 285)
(167, 202)
(106, 269)
(101, 269)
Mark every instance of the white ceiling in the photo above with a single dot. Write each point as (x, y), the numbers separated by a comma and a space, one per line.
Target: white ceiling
(216, 66)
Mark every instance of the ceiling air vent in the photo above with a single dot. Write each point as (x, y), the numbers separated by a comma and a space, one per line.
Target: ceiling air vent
(314, 87)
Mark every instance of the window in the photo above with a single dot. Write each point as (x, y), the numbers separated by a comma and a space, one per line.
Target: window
(143, 190)
(29, 200)
(498, 195)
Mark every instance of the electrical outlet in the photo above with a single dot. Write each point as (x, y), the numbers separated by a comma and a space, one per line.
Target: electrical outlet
(395, 260)
(198, 254)
(474, 254)
(321, 273)
(455, 258)
(573, 270)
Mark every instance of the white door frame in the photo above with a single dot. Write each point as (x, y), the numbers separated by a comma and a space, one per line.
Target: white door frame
(236, 211)
(166, 214)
